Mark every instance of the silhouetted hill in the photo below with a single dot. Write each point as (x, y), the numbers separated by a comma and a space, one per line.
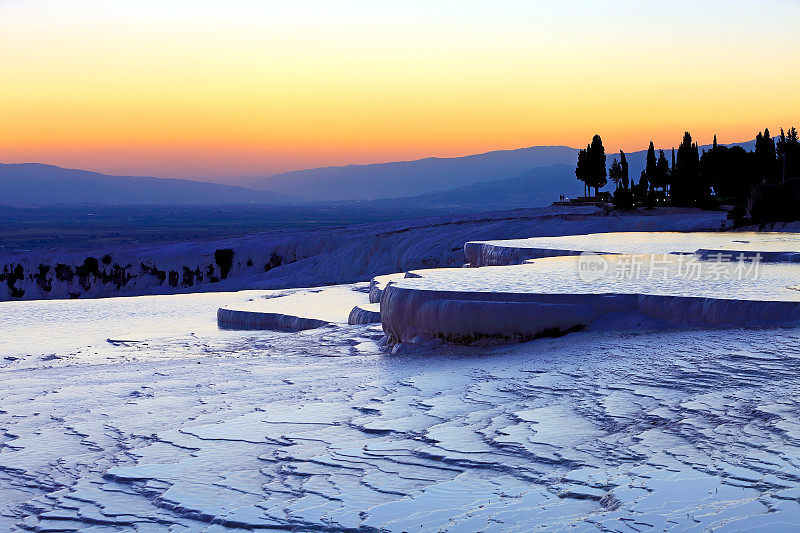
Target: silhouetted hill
(35, 184)
(410, 178)
(533, 188)
(404, 179)
(523, 177)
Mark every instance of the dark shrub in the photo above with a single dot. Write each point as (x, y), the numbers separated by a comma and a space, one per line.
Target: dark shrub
(154, 271)
(778, 202)
(11, 276)
(224, 258)
(86, 271)
(738, 215)
(274, 261)
(64, 273)
(119, 275)
(188, 277)
(44, 283)
(623, 199)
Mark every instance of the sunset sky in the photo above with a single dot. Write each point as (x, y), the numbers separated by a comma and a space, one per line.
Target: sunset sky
(223, 89)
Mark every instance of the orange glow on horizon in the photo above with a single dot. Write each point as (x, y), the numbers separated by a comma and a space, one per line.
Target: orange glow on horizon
(198, 90)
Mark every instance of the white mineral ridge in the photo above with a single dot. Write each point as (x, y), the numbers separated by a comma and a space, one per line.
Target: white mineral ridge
(773, 246)
(301, 309)
(548, 296)
(369, 313)
(326, 256)
(378, 284)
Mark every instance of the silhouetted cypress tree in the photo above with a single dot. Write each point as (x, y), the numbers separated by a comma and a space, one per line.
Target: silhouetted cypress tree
(701, 189)
(597, 164)
(624, 164)
(650, 164)
(615, 173)
(643, 187)
(662, 171)
(788, 151)
(686, 188)
(730, 172)
(765, 157)
(582, 168)
(780, 152)
(591, 166)
(776, 199)
(710, 165)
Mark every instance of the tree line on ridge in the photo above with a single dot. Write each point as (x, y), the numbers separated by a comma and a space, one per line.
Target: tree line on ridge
(762, 185)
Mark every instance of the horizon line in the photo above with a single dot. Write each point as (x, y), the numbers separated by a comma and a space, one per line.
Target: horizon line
(375, 163)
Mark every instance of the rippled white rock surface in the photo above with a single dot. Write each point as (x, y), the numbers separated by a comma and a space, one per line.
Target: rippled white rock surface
(195, 429)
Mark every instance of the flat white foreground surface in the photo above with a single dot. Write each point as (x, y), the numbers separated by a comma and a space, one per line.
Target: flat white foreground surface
(660, 242)
(663, 274)
(194, 429)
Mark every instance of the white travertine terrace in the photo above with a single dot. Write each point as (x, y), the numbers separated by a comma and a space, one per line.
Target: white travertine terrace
(300, 310)
(514, 251)
(734, 279)
(179, 425)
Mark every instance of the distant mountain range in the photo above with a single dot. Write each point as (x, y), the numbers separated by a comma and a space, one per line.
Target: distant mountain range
(450, 178)
(34, 184)
(533, 188)
(410, 178)
(506, 178)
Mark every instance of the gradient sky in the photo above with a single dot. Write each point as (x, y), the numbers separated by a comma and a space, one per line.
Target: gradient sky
(220, 89)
